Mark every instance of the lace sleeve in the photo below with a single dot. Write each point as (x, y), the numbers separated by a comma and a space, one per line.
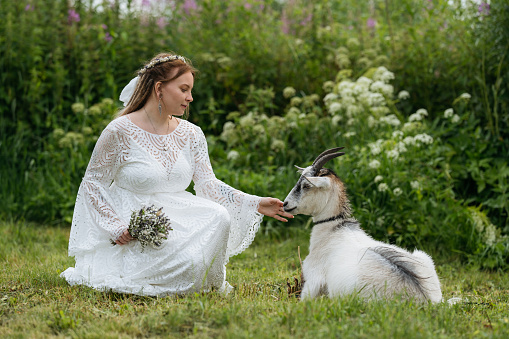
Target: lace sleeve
(95, 221)
(242, 207)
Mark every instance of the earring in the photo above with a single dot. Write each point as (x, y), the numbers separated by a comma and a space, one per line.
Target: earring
(160, 107)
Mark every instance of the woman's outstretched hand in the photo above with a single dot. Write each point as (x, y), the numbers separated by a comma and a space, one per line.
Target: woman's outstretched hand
(124, 238)
(273, 207)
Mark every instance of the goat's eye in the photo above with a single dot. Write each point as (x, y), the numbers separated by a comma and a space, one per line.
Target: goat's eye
(306, 186)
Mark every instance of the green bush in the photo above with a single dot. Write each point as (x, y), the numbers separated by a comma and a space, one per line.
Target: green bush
(400, 171)
(271, 93)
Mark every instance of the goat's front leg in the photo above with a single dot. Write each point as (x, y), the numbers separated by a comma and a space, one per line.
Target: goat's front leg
(314, 282)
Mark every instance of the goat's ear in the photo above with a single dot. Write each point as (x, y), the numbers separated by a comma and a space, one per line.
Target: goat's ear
(320, 182)
(299, 169)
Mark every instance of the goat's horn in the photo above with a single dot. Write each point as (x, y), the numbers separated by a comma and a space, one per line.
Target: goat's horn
(332, 150)
(323, 158)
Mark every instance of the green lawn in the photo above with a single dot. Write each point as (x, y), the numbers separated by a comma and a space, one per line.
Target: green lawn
(35, 302)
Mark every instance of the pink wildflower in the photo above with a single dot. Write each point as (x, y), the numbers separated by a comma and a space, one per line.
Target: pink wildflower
(73, 16)
(484, 8)
(189, 5)
(285, 23)
(307, 20)
(371, 23)
(161, 22)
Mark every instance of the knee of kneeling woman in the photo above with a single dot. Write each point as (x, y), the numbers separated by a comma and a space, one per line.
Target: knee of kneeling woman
(225, 218)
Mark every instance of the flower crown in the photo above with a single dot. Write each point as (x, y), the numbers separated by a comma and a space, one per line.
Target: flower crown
(158, 61)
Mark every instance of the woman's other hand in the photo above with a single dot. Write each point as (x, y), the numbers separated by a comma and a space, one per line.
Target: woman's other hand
(273, 207)
(124, 238)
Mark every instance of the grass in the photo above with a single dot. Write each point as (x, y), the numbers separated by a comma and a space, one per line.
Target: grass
(35, 302)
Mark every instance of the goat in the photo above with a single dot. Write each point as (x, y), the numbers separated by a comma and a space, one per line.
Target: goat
(342, 258)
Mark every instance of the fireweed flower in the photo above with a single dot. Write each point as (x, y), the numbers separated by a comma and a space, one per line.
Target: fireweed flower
(73, 16)
(484, 8)
(371, 23)
(307, 20)
(162, 23)
(189, 5)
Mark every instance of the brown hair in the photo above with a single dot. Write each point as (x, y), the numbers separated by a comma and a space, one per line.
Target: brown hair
(151, 75)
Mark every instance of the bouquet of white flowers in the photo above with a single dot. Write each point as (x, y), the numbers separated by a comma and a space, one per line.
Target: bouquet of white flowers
(149, 226)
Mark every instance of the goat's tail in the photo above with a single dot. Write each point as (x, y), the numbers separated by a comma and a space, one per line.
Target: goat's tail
(415, 270)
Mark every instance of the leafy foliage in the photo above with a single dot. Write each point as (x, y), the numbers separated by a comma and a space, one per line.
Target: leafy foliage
(271, 93)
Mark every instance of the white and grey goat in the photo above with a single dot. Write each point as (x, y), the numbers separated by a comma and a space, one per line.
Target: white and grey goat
(342, 258)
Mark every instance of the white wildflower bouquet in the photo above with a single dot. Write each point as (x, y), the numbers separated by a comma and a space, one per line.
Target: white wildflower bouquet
(149, 226)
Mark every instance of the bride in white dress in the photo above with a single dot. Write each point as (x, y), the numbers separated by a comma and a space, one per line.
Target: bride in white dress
(148, 156)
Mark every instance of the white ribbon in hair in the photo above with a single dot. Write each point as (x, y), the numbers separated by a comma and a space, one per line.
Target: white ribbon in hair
(128, 91)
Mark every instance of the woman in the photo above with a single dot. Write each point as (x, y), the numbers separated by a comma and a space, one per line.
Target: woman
(148, 156)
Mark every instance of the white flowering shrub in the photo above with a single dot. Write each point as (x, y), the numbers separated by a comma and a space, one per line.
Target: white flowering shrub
(396, 166)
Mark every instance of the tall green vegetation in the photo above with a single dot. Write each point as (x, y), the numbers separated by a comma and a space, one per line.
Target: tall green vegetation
(271, 93)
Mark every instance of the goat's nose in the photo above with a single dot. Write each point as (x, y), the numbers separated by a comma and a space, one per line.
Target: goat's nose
(285, 203)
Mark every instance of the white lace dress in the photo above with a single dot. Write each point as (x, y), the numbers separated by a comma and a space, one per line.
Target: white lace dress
(131, 167)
